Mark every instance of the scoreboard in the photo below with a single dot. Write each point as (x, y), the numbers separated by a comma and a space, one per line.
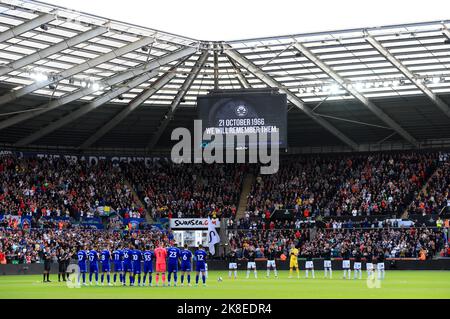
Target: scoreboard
(244, 112)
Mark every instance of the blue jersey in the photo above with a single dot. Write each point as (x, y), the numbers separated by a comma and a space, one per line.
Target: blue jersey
(82, 260)
(200, 257)
(136, 257)
(117, 257)
(105, 256)
(148, 261)
(173, 254)
(93, 259)
(186, 257)
(127, 265)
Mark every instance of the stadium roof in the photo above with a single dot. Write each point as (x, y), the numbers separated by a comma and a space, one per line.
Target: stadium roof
(77, 81)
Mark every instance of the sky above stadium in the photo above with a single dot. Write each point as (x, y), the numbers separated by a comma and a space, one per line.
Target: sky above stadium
(241, 19)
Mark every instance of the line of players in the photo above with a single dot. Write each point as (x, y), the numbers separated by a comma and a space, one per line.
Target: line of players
(371, 258)
(127, 260)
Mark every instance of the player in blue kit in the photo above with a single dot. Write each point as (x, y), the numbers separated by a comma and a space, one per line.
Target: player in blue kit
(200, 265)
(93, 265)
(148, 265)
(105, 257)
(117, 256)
(173, 254)
(136, 257)
(127, 266)
(186, 264)
(82, 264)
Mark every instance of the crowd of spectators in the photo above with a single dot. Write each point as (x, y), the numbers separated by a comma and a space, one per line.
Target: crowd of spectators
(26, 246)
(435, 198)
(187, 190)
(59, 187)
(342, 185)
(394, 242)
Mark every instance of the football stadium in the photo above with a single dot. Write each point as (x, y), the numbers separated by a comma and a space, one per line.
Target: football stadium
(142, 164)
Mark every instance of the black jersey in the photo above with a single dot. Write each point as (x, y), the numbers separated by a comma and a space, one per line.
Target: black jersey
(346, 255)
(308, 256)
(47, 257)
(271, 255)
(381, 258)
(357, 257)
(232, 257)
(369, 258)
(249, 255)
(326, 254)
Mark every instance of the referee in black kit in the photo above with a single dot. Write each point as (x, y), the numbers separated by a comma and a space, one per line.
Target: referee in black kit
(47, 256)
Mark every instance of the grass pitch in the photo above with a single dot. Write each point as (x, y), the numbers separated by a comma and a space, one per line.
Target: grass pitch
(397, 284)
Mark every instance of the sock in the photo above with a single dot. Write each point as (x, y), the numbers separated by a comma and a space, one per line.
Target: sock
(175, 278)
(169, 277)
(235, 274)
(150, 278)
(290, 272)
(204, 278)
(96, 277)
(131, 279)
(59, 277)
(144, 279)
(229, 275)
(345, 273)
(164, 277)
(268, 272)
(196, 279)
(326, 272)
(312, 271)
(108, 278)
(115, 278)
(298, 273)
(103, 277)
(248, 273)
(275, 272)
(256, 273)
(84, 278)
(349, 274)
(90, 277)
(139, 279)
(307, 272)
(182, 279)
(331, 273)
(43, 275)
(189, 278)
(157, 278)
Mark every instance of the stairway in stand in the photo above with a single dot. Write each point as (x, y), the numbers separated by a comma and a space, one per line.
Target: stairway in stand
(139, 203)
(405, 214)
(249, 179)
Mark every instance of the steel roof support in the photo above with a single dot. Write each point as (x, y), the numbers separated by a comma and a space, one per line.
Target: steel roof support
(86, 108)
(11, 96)
(141, 98)
(396, 63)
(111, 81)
(26, 26)
(241, 78)
(39, 55)
(371, 106)
(260, 74)
(180, 95)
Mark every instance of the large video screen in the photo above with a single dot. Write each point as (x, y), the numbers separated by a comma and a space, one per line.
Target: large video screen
(244, 113)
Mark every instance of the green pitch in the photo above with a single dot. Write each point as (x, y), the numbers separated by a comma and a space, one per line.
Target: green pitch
(397, 284)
